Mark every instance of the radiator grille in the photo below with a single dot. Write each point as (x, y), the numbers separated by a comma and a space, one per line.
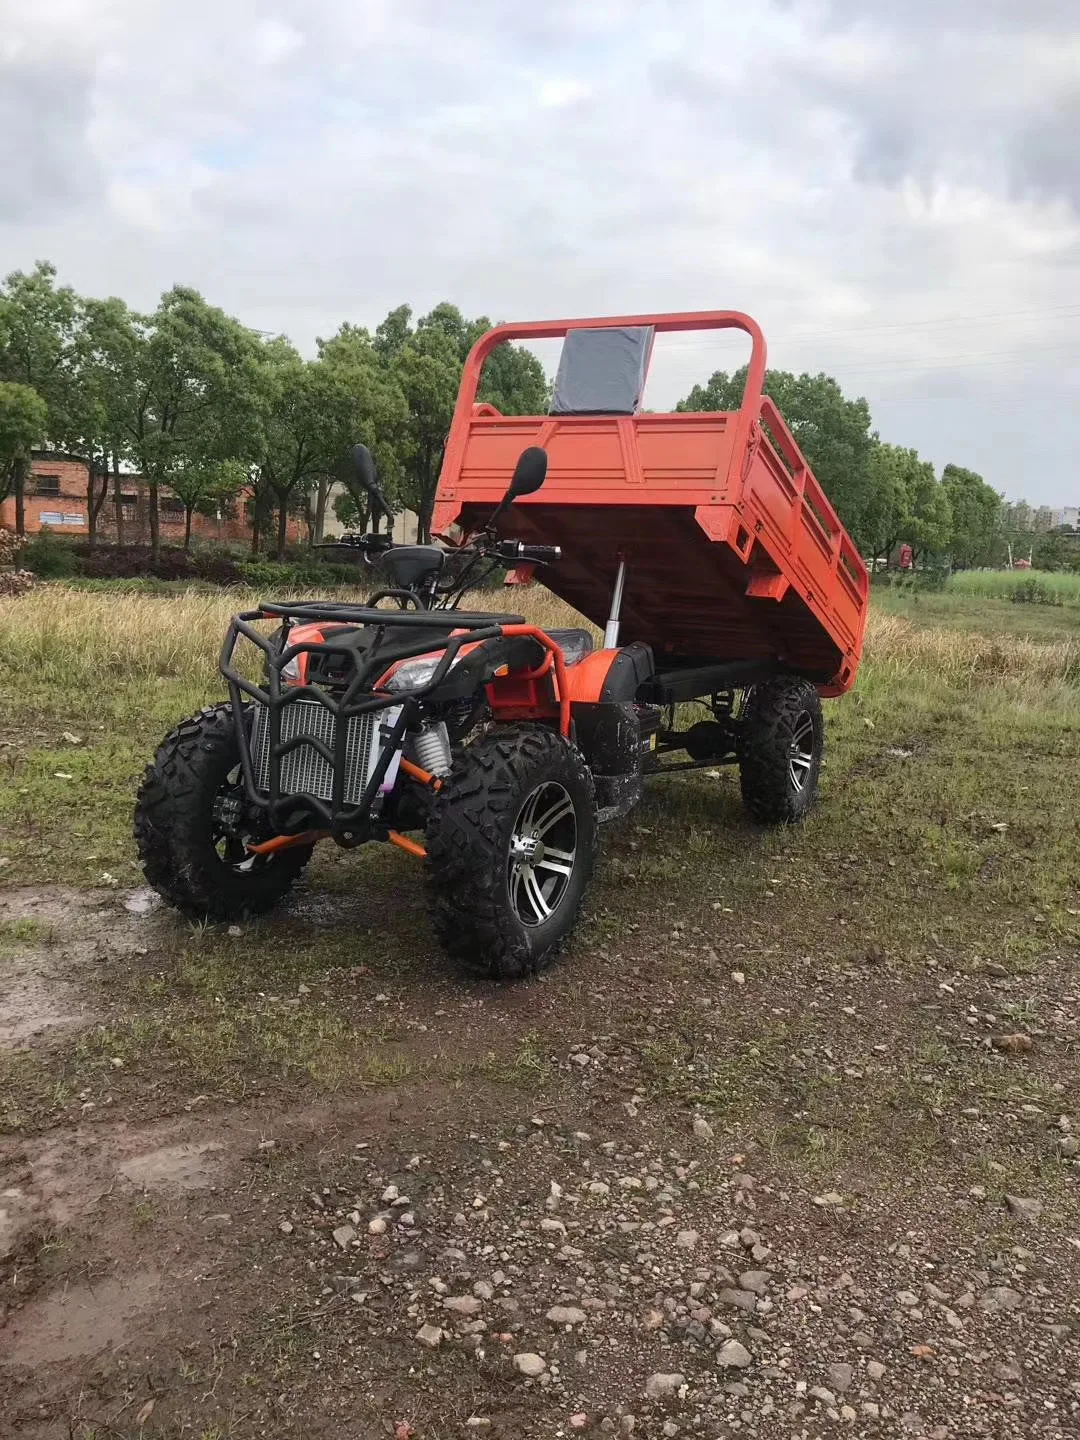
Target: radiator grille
(303, 770)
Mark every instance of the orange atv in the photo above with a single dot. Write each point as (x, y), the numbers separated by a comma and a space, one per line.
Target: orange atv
(706, 537)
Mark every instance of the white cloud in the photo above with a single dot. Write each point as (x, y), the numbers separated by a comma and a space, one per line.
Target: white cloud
(275, 41)
(554, 94)
(850, 172)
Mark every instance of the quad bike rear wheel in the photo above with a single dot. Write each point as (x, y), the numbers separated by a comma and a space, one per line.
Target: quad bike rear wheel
(192, 826)
(781, 741)
(510, 848)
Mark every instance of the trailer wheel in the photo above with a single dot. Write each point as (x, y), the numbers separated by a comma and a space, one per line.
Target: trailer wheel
(191, 826)
(510, 848)
(781, 740)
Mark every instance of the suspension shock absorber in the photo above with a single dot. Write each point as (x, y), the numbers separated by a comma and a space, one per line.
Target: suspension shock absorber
(430, 747)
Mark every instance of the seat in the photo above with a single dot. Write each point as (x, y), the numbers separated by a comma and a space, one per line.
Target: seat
(575, 644)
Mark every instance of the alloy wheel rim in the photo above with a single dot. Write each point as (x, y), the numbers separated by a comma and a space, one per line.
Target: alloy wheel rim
(801, 751)
(543, 853)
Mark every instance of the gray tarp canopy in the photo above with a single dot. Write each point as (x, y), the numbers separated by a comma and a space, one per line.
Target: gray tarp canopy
(602, 372)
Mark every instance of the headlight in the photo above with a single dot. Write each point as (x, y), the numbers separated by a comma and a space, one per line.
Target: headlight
(291, 670)
(414, 674)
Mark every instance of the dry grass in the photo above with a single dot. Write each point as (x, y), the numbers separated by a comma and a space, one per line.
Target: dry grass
(119, 670)
(900, 649)
(67, 637)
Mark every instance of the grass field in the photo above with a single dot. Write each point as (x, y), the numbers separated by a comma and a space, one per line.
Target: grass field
(1058, 588)
(879, 1003)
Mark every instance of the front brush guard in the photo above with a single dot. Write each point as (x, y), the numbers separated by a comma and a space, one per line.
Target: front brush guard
(371, 657)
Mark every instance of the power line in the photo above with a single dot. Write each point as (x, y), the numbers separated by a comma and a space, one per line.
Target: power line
(1065, 311)
(947, 362)
(705, 337)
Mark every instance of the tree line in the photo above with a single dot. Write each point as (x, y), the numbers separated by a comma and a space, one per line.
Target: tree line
(195, 402)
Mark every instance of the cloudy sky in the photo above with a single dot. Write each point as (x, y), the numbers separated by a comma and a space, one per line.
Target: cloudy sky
(892, 189)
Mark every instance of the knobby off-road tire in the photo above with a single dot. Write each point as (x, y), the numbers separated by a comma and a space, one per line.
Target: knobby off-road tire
(177, 832)
(518, 786)
(781, 740)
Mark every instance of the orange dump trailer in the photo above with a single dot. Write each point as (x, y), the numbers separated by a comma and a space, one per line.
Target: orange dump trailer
(732, 560)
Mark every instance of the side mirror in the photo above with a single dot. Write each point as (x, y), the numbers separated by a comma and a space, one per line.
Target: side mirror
(529, 472)
(362, 465)
(363, 468)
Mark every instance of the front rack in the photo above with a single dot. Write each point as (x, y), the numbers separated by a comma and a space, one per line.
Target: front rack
(371, 657)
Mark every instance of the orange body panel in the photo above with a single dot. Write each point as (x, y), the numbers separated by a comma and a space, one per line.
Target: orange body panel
(585, 680)
(733, 550)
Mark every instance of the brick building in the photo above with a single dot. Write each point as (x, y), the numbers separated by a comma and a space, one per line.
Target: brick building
(57, 499)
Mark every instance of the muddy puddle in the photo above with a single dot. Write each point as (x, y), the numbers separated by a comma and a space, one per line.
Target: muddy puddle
(50, 939)
(80, 1320)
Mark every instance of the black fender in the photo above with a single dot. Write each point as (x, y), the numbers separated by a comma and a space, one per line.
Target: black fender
(478, 668)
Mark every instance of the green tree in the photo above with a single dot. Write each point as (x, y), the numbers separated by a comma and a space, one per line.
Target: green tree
(102, 380)
(205, 485)
(362, 370)
(199, 392)
(928, 529)
(1057, 550)
(886, 513)
(832, 432)
(23, 418)
(976, 512)
(427, 362)
(317, 409)
(297, 425)
(37, 324)
(428, 369)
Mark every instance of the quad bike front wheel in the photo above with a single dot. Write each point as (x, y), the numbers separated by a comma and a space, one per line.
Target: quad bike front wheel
(510, 849)
(192, 826)
(781, 741)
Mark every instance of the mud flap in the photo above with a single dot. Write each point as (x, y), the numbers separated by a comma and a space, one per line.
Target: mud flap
(616, 795)
(608, 734)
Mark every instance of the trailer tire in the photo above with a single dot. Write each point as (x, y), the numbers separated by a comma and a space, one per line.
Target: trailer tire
(492, 911)
(781, 741)
(178, 827)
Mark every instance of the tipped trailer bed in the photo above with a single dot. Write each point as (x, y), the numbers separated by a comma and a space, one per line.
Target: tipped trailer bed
(736, 566)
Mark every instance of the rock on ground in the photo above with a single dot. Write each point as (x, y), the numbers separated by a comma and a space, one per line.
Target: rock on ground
(530, 1364)
(733, 1355)
(660, 1385)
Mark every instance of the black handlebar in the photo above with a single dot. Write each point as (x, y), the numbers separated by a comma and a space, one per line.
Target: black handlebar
(369, 544)
(528, 554)
(513, 551)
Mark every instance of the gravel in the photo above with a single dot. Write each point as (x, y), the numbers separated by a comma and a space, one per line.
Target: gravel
(586, 1267)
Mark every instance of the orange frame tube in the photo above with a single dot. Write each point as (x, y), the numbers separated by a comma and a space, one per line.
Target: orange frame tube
(747, 414)
(556, 659)
(420, 775)
(286, 842)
